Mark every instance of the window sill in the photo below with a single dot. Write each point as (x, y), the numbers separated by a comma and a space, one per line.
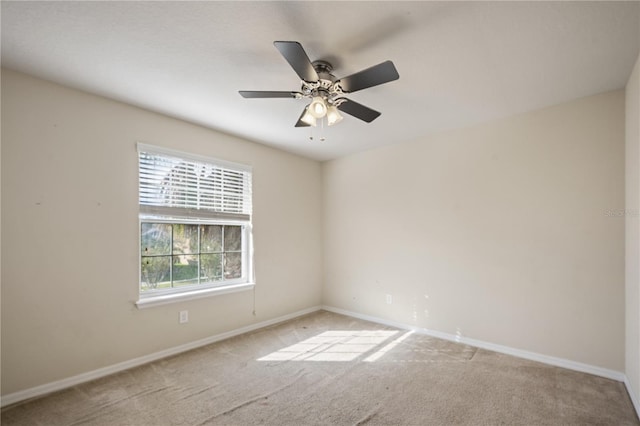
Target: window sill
(151, 301)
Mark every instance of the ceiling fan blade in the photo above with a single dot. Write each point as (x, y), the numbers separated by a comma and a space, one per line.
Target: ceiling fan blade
(377, 74)
(358, 110)
(301, 123)
(263, 94)
(298, 59)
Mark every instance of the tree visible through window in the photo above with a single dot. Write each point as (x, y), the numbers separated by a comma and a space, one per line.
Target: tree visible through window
(185, 254)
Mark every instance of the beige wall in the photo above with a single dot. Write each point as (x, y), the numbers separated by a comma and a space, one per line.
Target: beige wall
(506, 232)
(69, 242)
(632, 231)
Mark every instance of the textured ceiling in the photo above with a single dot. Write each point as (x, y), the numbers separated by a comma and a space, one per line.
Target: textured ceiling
(460, 63)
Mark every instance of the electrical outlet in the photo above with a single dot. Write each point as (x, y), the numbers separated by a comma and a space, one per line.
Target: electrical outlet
(389, 299)
(184, 317)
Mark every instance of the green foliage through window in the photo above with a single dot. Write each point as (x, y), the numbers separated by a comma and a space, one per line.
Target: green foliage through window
(178, 254)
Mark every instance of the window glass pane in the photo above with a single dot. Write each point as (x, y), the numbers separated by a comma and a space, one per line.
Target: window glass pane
(211, 238)
(185, 270)
(232, 238)
(155, 238)
(185, 238)
(210, 267)
(155, 272)
(232, 265)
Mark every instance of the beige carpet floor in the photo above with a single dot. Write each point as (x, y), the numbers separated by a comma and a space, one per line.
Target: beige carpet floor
(328, 369)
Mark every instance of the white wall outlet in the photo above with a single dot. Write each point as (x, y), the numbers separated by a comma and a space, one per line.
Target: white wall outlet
(389, 299)
(184, 317)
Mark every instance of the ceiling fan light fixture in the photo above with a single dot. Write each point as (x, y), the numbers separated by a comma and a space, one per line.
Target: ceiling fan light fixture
(318, 107)
(308, 118)
(324, 90)
(333, 116)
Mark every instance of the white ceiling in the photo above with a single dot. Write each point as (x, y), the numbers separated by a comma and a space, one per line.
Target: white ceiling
(460, 63)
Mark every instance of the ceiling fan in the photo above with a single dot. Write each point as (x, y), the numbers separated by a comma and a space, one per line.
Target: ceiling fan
(324, 90)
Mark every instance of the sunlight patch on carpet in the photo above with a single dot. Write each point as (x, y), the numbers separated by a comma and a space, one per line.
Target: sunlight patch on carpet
(334, 345)
(378, 354)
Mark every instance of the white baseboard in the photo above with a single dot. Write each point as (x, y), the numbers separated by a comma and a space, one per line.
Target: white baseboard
(633, 396)
(115, 368)
(558, 362)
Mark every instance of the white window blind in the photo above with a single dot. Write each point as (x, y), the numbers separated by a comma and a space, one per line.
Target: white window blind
(173, 183)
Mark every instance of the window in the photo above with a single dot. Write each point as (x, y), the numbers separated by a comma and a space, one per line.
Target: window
(195, 225)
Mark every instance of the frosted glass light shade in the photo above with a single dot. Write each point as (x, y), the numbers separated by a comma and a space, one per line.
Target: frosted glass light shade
(333, 116)
(317, 107)
(308, 118)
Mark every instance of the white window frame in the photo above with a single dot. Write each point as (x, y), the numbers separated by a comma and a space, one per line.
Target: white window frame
(196, 216)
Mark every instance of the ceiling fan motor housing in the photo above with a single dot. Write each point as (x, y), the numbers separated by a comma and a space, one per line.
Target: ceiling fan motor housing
(324, 69)
(325, 87)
